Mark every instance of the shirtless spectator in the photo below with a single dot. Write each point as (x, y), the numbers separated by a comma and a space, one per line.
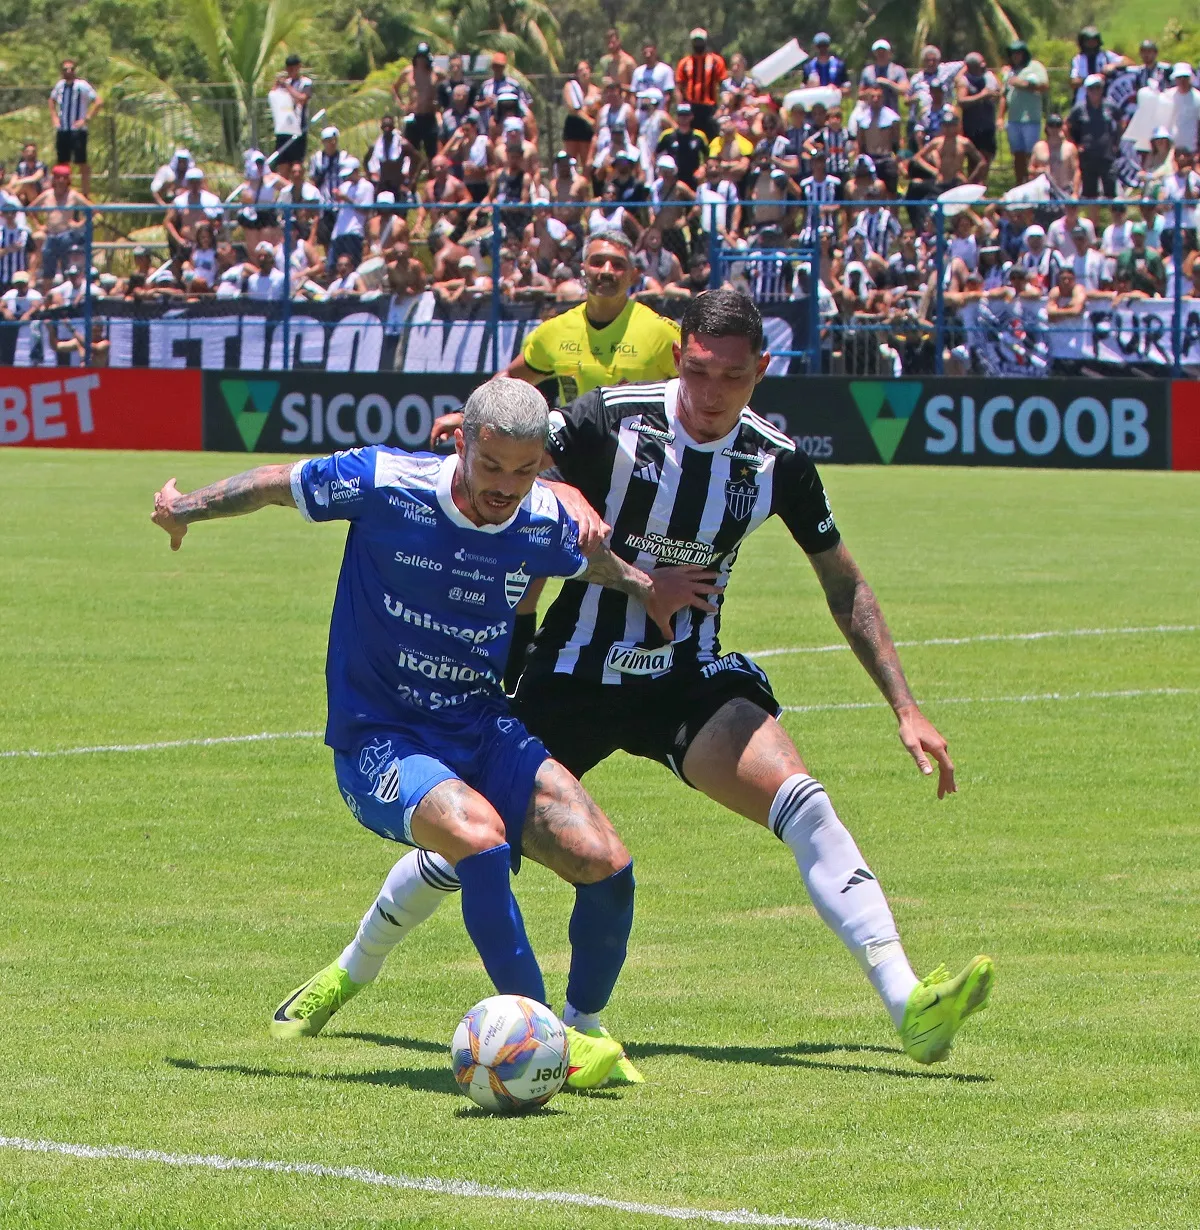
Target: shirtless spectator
(441, 195)
(1057, 158)
(876, 129)
(951, 158)
(568, 288)
(405, 274)
(673, 208)
(62, 222)
(463, 284)
(616, 63)
(526, 281)
(1067, 300)
(192, 207)
(445, 251)
(415, 92)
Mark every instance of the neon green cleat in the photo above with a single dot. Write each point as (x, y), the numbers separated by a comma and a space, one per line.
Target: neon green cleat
(939, 1005)
(623, 1072)
(305, 1012)
(591, 1059)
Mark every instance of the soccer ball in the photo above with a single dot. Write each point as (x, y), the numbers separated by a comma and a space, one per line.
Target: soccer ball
(509, 1054)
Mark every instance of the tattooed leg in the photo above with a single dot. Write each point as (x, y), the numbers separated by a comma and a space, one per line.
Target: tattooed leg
(568, 833)
(744, 759)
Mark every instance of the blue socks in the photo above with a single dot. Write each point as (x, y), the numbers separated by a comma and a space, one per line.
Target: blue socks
(599, 931)
(494, 923)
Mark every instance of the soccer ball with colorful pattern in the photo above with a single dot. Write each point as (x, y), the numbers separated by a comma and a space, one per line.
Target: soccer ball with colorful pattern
(509, 1054)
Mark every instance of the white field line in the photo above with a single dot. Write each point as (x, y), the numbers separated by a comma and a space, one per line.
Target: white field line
(1027, 699)
(443, 1187)
(984, 639)
(266, 736)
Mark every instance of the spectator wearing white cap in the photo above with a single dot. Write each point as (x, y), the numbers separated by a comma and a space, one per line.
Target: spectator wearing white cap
(193, 206)
(326, 171)
(825, 68)
(1093, 127)
(354, 198)
(653, 73)
(463, 282)
(672, 207)
(513, 142)
(885, 74)
(258, 193)
(21, 300)
(262, 280)
(168, 179)
(1183, 184)
(698, 78)
(1038, 259)
(652, 122)
(687, 147)
(1185, 108)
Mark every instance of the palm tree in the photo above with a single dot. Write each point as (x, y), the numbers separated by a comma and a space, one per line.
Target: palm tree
(526, 29)
(957, 26)
(243, 50)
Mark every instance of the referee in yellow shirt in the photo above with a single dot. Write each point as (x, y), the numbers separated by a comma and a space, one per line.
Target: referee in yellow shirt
(608, 339)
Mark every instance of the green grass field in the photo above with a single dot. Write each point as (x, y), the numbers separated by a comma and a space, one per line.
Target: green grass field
(156, 905)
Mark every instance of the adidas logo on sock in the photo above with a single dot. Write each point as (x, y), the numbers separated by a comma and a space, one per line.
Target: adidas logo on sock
(649, 473)
(860, 876)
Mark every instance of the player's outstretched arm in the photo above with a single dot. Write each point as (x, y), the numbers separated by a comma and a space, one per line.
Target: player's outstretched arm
(856, 612)
(230, 497)
(662, 592)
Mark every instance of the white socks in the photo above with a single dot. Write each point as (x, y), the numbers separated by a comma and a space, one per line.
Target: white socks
(582, 1021)
(414, 888)
(846, 894)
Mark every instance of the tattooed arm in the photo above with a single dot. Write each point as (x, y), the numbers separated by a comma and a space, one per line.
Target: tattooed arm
(662, 592)
(231, 497)
(856, 612)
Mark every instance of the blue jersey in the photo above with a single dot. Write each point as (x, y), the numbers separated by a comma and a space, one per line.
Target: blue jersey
(425, 602)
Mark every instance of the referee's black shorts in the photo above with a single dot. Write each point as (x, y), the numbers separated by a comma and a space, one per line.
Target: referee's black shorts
(582, 723)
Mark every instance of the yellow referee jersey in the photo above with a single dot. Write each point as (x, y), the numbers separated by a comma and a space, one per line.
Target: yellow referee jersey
(635, 347)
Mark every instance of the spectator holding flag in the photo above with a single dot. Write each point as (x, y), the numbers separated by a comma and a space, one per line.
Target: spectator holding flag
(73, 102)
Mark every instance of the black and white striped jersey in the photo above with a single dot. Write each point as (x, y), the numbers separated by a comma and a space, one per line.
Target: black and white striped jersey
(669, 500)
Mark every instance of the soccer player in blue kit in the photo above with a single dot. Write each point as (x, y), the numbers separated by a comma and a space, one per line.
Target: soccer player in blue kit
(439, 552)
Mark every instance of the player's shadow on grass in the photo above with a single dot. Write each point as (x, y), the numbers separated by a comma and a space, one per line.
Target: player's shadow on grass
(795, 1057)
(407, 1044)
(425, 1080)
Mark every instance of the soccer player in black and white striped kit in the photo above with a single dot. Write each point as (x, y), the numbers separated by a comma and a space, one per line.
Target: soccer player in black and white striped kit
(680, 473)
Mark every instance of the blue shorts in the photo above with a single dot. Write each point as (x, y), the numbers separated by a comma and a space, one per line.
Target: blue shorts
(1023, 135)
(384, 777)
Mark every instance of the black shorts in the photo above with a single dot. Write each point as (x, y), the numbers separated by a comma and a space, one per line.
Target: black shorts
(984, 141)
(887, 169)
(1097, 178)
(582, 723)
(71, 146)
(422, 131)
(576, 128)
(291, 148)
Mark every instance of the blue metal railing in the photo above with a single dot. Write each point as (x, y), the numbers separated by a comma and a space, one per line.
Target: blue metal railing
(795, 265)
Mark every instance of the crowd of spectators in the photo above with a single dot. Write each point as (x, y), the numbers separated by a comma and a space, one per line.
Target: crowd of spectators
(687, 159)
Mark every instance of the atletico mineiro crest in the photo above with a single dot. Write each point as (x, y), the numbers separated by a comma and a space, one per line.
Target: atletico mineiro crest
(515, 584)
(741, 493)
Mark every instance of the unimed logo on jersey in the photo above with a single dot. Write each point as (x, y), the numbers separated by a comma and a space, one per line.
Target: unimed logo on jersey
(886, 409)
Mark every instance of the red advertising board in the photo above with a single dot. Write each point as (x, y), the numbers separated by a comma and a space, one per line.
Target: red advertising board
(1185, 425)
(75, 407)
